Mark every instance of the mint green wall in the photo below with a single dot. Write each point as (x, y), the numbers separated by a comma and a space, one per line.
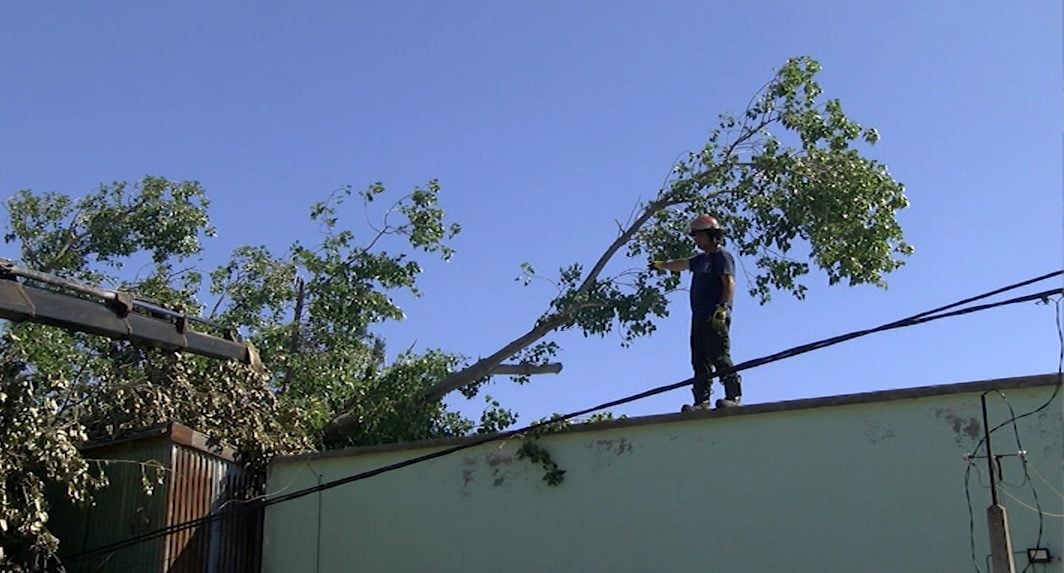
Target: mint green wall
(870, 487)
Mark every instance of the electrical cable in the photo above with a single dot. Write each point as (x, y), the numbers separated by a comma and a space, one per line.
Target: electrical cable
(971, 518)
(1001, 476)
(255, 498)
(1045, 481)
(1021, 503)
(927, 316)
(915, 319)
(1019, 446)
(1041, 513)
(1060, 378)
(1027, 477)
(1014, 418)
(971, 514)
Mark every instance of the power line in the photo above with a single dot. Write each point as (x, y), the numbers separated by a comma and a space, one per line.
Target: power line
(910, 321)
(1027, 476)
(1012, 420)
(971, 514)
(1037, 510)
(1045, 481)
(927, 316)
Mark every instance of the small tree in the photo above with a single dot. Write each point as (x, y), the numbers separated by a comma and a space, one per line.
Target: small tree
(786, 178)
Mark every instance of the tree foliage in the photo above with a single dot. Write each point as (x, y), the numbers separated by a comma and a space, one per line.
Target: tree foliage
(308, 310)
(788, 178)
(789, 182)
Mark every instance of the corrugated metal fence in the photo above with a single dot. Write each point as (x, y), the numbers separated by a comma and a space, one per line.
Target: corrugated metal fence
(196, 480)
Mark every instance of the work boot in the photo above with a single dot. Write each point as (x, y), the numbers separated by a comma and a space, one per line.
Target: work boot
(729, 402)
(695, 406)
(733, 388)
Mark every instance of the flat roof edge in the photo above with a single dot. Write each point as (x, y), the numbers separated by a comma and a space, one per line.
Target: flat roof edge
(175, 432)
(1017, 382)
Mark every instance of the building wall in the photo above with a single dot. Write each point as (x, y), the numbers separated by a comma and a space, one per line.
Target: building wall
(870, 483)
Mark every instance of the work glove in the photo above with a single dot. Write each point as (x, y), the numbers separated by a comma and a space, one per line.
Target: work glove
(656, 265)
(720, 317)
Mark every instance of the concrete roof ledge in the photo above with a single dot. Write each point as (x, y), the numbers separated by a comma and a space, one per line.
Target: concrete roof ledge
(746, 410)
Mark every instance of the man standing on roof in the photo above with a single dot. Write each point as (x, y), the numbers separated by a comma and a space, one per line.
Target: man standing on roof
(712, 291)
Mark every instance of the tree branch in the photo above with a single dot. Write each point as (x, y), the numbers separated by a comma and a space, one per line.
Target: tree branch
(387, 229)
(702, 177)
(294, 341)
(72, 237)
(484, 366)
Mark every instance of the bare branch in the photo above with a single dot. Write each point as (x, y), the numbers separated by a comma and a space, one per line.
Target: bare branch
(387, 229)
(484, 366)
(72, 236)
(142, 463)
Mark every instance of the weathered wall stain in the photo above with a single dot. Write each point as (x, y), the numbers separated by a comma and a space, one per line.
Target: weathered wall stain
(498, 463)
(467, 478)
(617, 447)
(498, 477)
(961, 425)
(496, 459)
(607, 451)
(876, 432)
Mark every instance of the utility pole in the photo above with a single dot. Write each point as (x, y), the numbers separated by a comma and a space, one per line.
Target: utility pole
(997, 519)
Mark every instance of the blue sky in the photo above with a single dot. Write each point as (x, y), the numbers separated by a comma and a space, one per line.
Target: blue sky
(545, 123)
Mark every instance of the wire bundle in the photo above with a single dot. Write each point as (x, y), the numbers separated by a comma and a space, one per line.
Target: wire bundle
(923, 317)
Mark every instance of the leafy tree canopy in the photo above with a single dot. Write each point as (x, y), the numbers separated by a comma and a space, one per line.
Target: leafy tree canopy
(790, 184)
(788, 178)
(308, 310)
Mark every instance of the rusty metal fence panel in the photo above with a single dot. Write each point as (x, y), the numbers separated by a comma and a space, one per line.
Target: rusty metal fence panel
(196, 481)
(201, 484)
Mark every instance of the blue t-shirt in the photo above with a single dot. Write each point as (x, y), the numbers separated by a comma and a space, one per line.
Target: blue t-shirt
(706, 286)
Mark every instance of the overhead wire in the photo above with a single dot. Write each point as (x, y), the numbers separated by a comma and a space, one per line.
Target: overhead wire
(1012, 420)
(971, 514)
(1020, 501)
(1027, 477)
(1023, 458)
(1041, 513)
(1044, 480)
(920, 318)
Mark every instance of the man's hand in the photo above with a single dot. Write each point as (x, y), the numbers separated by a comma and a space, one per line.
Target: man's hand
(720, 316)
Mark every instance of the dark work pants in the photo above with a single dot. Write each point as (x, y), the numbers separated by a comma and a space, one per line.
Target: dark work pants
(711, 352)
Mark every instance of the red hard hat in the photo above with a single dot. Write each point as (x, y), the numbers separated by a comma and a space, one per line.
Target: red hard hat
(703, 223)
